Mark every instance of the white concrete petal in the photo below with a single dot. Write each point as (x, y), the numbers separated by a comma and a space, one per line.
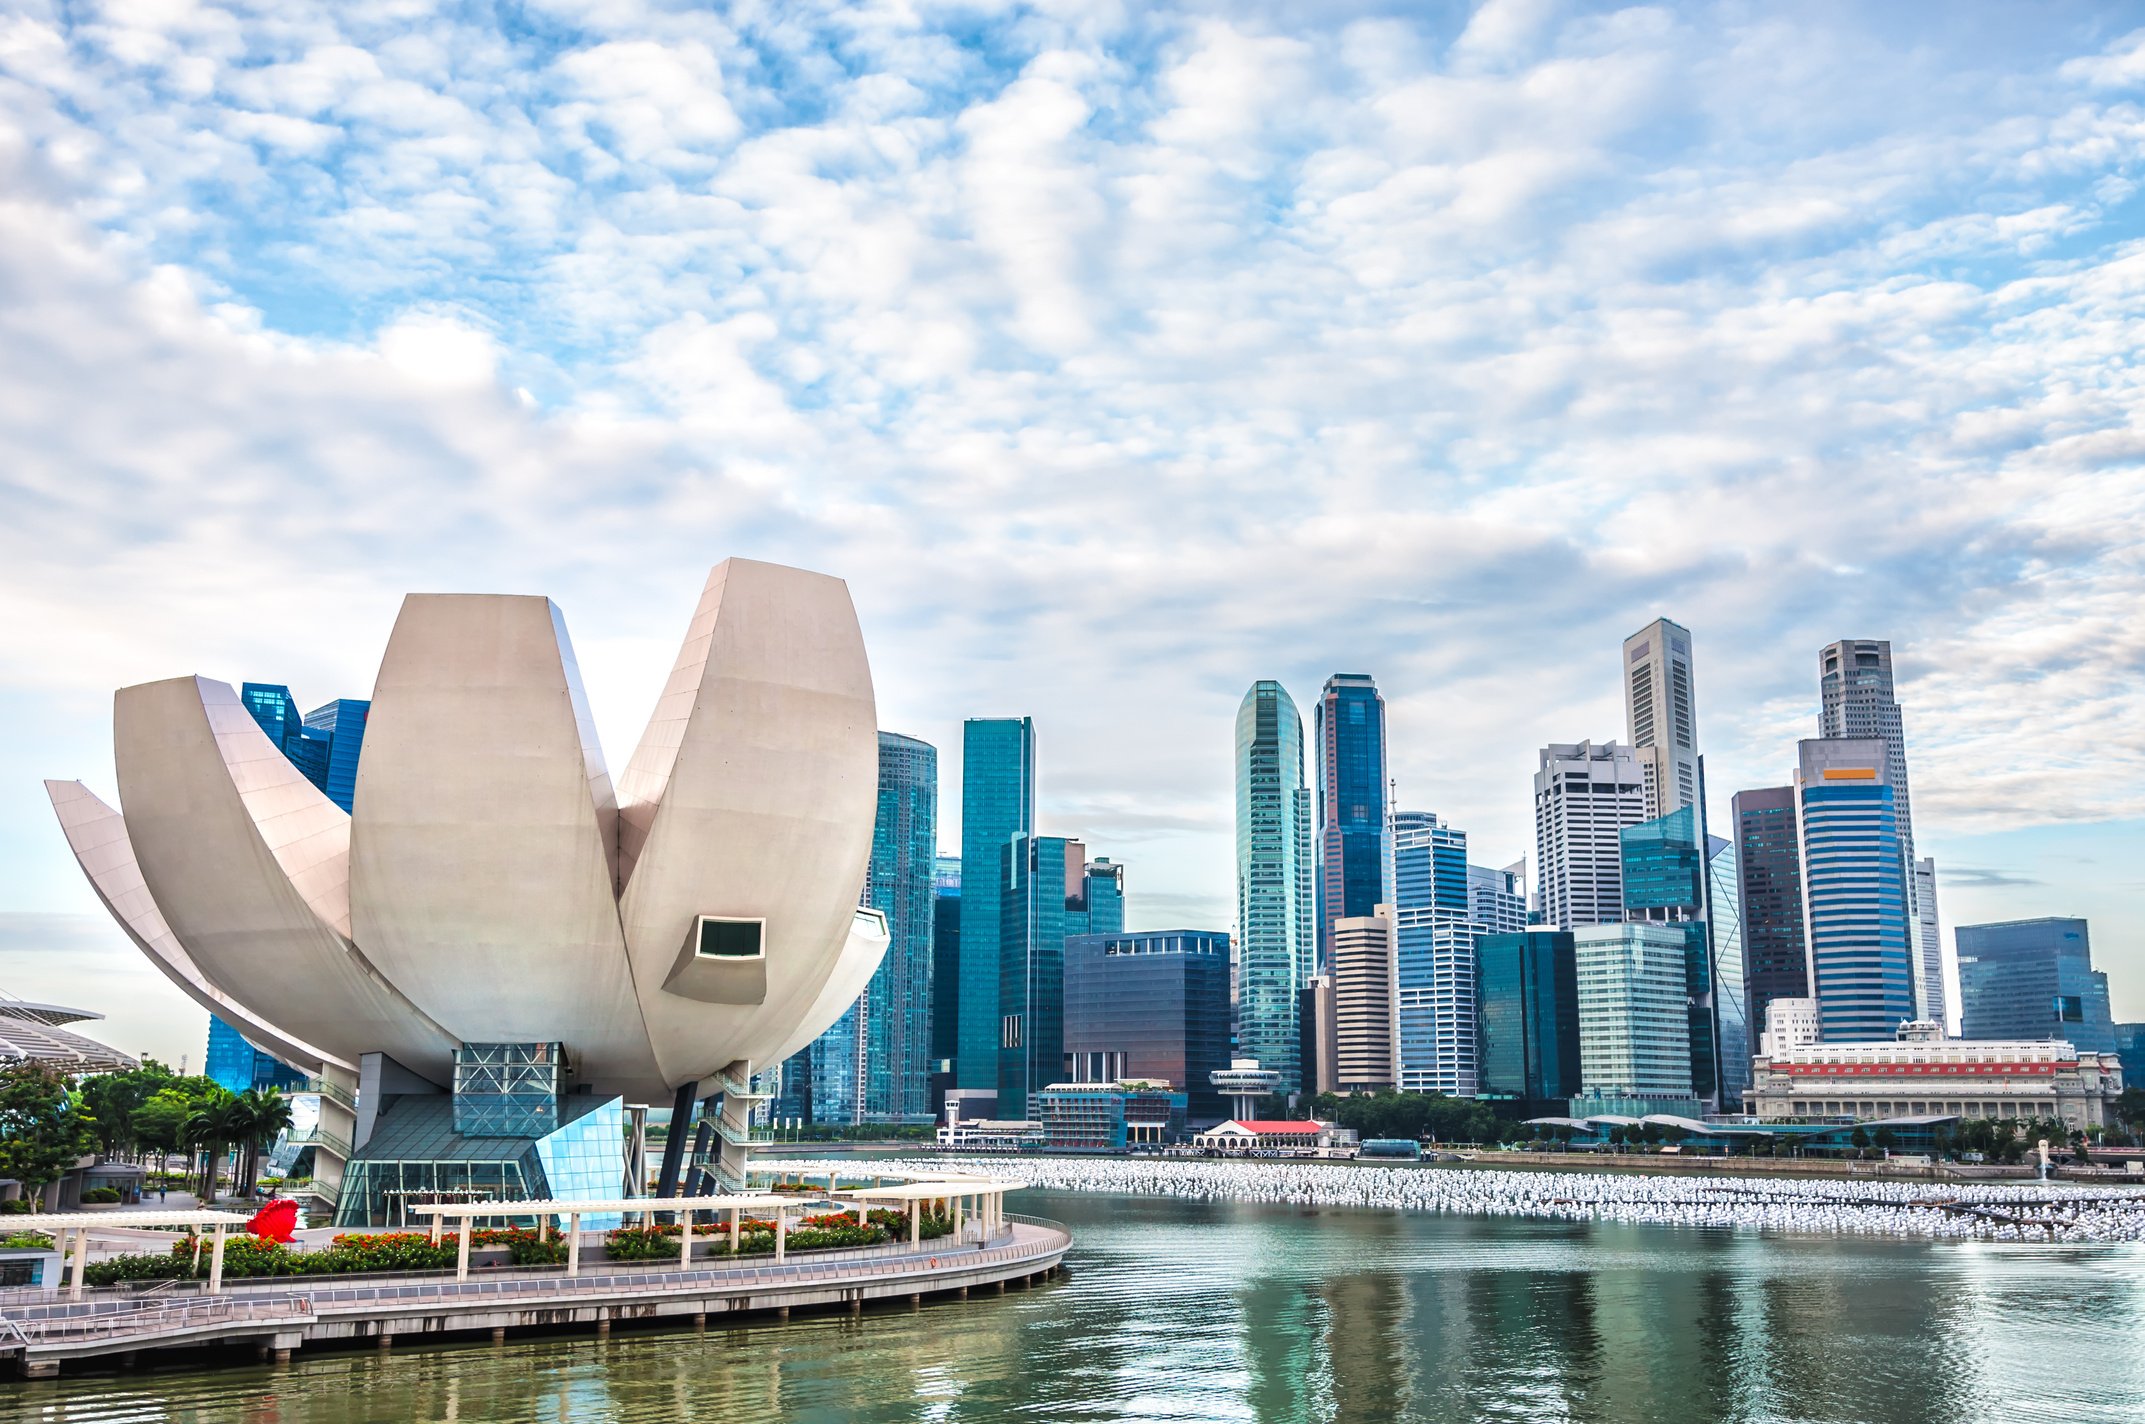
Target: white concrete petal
(752, 796)
(98, 836)
(481, 857)
(191, 775)
(861, 954)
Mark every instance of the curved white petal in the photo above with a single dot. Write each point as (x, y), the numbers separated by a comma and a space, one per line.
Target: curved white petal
(249, 864)
(750, 796)
(861, 956)
(97, 835)
(481, 855)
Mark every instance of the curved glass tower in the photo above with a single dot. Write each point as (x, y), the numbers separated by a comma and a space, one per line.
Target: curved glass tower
(1274, 895)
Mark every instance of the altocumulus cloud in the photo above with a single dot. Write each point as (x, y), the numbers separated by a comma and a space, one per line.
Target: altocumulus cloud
(1116, 355)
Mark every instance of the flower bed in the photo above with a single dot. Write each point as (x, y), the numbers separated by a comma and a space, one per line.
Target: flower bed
(348, 1254)
(830, 1231)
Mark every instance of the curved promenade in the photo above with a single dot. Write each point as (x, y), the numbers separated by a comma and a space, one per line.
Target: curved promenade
(283, 1314)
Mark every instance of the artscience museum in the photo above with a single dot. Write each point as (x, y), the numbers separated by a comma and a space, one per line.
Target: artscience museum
(498, 956)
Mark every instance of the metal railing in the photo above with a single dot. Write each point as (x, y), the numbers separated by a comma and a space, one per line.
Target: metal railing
(321, 1137)
(329, 1089)
(160, 1319)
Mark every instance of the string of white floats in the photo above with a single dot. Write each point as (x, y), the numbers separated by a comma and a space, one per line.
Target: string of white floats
(1990, 1211)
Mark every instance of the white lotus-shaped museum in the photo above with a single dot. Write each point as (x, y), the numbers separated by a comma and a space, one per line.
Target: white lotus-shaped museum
(490, 887)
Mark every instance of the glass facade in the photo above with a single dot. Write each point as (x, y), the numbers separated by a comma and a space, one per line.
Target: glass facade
(237, 1065)
(1352, 852)
(1665, 882)
(415, 1156)
(507, 1089)
(997, 809)
(342, 722)
(946, 959)
(1769, 898)
(1152, 1006)
(1731, 997)
(1434, 956)
(584, 1160)
(1862, 956)
(1105, 1117)
(1276, 899)
(1528, 982)
(1051, 892)
(2026, 980)
(904, 850)
(272, 707)
(1634, 1024)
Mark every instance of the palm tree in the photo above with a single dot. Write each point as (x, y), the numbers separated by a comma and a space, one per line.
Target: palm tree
(212, 1128)
(262, 1114)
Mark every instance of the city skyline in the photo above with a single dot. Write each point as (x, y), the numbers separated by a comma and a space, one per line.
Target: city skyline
(1224, 347)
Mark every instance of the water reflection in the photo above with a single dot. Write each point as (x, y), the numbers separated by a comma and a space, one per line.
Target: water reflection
(1209, 1311)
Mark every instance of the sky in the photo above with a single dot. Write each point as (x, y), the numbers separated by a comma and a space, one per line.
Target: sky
(1116, 356)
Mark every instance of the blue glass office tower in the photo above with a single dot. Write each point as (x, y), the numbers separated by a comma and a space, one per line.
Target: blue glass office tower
(1863, 970)
(1665, 879)
(2031, 980)
(237, 1065)
(1731, 997)
(1051, 892)
(1153, 1006)
(1434, 956)
(309, 750)
(945, 975)
(904, 850)
(342, 722)
(1528, 986)
(1352, 860)
(997, 809)
(1276, 896)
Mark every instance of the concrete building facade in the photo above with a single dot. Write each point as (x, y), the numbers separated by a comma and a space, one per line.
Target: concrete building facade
(1585, 793)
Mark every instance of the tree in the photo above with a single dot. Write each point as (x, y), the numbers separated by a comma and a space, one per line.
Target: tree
(259, 1116)
(1887, 1139)
(114, 1098)
(211, 1128)
(44, 1128)
(1859, 1137)
(2130, 1108)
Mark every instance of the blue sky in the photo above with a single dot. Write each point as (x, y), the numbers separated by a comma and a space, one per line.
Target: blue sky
(1117, 356)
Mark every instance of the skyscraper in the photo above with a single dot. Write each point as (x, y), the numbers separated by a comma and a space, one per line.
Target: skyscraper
(2033, 979)
(1585, 793)
(1634, 1026)
(1856, 699)
(896, 1041)
(1769, 895)
(1660, 708)
(945, 975)
(1433, 957)
(1665, 884)
(342, 722)
(1276, 896)
(1529, 1014)
(1497, 899)
(1731, 991)
(1854, 891)
(306, 748)
(1052, 892)
(1352, 859)
(997, 808)
(1152, 1005)
(1363, 977)
(237, 1066)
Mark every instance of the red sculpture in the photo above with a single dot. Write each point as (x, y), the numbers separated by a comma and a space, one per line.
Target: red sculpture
(277, 1221)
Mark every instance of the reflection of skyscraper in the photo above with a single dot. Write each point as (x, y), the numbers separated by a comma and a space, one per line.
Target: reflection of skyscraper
(1856, 699)
(997, 807)
(1854, 891)
(1352, 860)
(1661, 708)
(1276, 898)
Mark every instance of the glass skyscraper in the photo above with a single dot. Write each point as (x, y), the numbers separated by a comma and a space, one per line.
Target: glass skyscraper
(1731, 994)
(1664, 879)
(1051, 892)
(1352, 850)
(1769, 898)
(1276, 902)
(997, 809)
(2031, 980)
(308, 749)
(904, 851)
(1152, 1005)
(945, 973)
(1854, 892)
(237, 1065)
(1433, 956)
(342, 722)
(1528, 995)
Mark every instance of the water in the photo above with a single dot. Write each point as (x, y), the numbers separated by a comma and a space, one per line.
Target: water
(1205, 1311)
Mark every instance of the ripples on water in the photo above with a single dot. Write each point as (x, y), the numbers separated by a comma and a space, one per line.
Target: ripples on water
(1202, 1311)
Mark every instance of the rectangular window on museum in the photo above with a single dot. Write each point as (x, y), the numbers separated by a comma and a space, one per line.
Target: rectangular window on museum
(731, 939)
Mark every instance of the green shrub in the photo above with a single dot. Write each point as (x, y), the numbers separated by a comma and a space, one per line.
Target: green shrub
(114, 1269)
(99, 1196)
(27, 1241)
(19, 1206)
